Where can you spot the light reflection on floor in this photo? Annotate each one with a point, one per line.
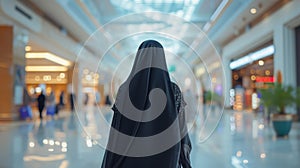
(240, 140)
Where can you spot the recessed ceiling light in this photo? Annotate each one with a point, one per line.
(37, 78)
(253, 11)
(62, 75)
(28, 48)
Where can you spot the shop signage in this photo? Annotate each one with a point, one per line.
(265, 79)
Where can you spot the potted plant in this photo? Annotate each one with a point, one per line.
(212, 97)
(276, 98)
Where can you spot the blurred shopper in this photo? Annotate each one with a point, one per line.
(41, 103)
(62, 99)
(51, 99)
(86, 99)
(25, 110)
(204, 97)
(107, 100)
(51, 105)
(72, 98)
(97, 98)
(26, 98)
(148, 73)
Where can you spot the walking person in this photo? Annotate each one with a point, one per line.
(62, 99)
(72, 98)
(51, 104)
(97, 98)
(51, 99)
(107, 100)
(136, 116)
(41, 103)
(86, 99)
(25, 111)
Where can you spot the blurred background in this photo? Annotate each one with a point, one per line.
(62, 62)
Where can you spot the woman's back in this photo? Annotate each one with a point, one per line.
(146, 130)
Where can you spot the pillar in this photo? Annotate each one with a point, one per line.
(77, 84)
(6, 62)
(12, 71)
(227, 85)
(285, 57)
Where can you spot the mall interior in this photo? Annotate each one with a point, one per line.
(223, 54)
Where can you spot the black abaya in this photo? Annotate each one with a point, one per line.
(149, 72)
(41, 103)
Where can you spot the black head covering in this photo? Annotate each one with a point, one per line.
(145, 107)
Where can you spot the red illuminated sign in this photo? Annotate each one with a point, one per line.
(265, 79)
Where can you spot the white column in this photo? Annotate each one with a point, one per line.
(79, 89)
(227, 84)
(285, 57)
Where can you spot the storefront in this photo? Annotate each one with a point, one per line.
(48, 73)
(93, 91)
(250, 73)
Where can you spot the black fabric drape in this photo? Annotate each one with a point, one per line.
(138, 85)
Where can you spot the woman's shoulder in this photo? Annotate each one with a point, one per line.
(175, 87)
(176, 92)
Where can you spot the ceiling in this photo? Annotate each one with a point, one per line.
(121, 26)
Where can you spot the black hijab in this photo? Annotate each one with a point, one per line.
(145, 130)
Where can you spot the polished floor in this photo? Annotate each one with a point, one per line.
(241, 139)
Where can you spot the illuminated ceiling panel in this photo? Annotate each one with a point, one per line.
(181, 8)
(48, 56)
(92, 14)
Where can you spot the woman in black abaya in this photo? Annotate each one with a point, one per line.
(148, 105)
